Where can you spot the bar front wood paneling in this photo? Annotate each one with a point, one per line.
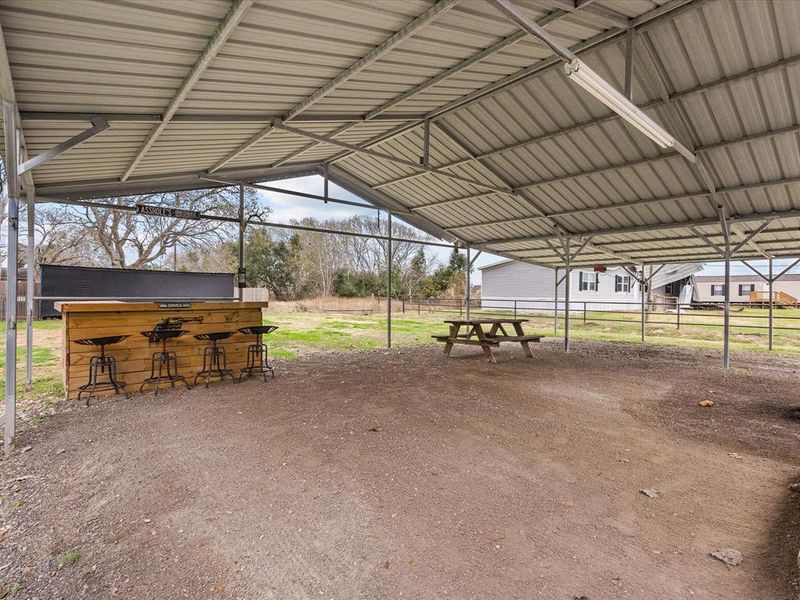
(98, 319)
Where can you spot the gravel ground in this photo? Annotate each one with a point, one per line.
(405, 474)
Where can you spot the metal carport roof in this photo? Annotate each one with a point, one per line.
(519, 156)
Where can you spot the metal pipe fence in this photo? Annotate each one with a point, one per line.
(584, 312)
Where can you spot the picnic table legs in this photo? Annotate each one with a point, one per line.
(487, 349)
(453, 335)
(523, 343)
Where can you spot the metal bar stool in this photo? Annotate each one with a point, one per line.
(215, 364)
(102, 365)
(165, 361)
(257, 354)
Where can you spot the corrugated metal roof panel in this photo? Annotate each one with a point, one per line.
(732, 71)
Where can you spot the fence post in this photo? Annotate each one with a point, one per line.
(419, 307)
(515, 309)
(584, 312)
(404, 305)
(643, 283)
(679, 316)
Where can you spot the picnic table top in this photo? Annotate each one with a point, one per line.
(484, 321)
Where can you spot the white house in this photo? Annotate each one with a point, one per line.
(711, 287)
(533, 287)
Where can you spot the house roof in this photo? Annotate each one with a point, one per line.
(752, 278)
(251, 90)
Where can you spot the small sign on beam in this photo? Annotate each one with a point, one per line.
(600, 269)
(165, 211)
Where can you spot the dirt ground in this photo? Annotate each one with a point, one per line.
(404, 474)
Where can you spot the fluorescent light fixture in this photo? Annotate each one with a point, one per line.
(598, 87)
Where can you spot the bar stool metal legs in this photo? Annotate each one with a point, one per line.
(257, 361)
(166, 363)
(215, 363)
(257, 354)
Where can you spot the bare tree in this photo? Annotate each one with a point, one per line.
(126, 239)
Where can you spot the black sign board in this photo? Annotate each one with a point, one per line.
(165, 211)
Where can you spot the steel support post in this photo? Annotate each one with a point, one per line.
(567, 277)
(241, 273)
(771, 301)
(469, 283)
(643, 284)
(12, 162)
(30, 288)
(555, 302)
(726, 317)
(389, 281)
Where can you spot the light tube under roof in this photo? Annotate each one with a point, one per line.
(598, 87)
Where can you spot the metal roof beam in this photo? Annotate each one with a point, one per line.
(8, 94)
(375, 54)
(252, 141)
(655, 227)
(387, 157)
(98, 125)
(598, 13)
(155, 118)
(665, 12)
(686, 238)
(354, 69)
(668, 11)
(621, 205)
(213, 46)
(781, 64)
(377, 113)
(613, 254)
(297, 153)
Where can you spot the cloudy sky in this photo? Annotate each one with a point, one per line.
(285, 208)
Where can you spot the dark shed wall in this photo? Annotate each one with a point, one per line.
(81, 282)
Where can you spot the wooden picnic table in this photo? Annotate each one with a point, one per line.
(476, 334)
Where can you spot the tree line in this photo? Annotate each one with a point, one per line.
(292, 264)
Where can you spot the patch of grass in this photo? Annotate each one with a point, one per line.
(43, 324)
(70, 557)
(48, 386)
(41, 356)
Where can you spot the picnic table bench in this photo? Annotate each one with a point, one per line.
(476, 335)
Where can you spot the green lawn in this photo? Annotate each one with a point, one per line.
(47, 379)
(304, 331)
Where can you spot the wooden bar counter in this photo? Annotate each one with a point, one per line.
(98, 319)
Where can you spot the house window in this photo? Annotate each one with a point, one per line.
(717, 289)
(746, 288)
(622, 283)
(588, 282)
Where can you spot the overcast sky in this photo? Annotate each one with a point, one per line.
(285, 208)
